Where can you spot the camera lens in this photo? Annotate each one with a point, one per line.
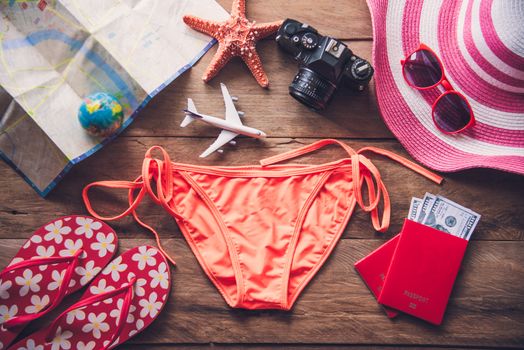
(311, 89)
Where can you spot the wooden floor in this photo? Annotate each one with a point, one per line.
(486, 309)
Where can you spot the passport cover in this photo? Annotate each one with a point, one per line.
(374, 267)
(422, 272)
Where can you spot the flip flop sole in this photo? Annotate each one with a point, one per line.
(91, 327)
(30, 289)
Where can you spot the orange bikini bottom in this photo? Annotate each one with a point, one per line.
(262, 232)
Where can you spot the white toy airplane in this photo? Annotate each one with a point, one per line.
(231, 126)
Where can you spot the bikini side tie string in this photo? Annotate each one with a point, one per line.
(152, 170)
(363, 170)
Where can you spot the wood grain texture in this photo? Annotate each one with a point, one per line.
(336, 310)
(486, 306)
(215, 346)
(350, 21)
(497, 196)
(349, 115)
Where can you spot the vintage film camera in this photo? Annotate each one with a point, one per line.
(324, 63)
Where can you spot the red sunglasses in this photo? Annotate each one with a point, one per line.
(423, 70)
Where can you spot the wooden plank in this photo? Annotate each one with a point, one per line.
(485, 309)
(282, 346)
(348, 21)
(497, 196)
(349, 115)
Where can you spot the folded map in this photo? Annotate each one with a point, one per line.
(54, 53)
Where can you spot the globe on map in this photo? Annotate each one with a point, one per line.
(101, 114)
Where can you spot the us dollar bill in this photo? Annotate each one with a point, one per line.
(423, 208)
(448, 216)
(413, 208)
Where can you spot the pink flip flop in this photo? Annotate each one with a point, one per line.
(123, 300)
(60, 258)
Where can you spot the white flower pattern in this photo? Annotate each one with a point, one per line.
(96, 324)
(160, 277)
(44, 252)
(85, 346)
(76, 314)
(57, 280)
(102, 287)
(116, 312)
(139, 287)
(4, 289)
(144, 256)
(104, 244)
(61, 340)
(37, 304)
(150, 306)
(86, 226)
(87, 272)
(30, 345)
(71, 247)
(139, 326)
(55, 230)
(114, 268)
(28, 282)
(7, 313)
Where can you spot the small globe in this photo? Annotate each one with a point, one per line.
(101, 114)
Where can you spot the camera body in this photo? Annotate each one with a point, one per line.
(324, 63)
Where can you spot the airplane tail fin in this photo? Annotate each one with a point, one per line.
(192, 109)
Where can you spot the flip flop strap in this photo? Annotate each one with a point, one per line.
(48, 260)
(124, 312)
(62, 289)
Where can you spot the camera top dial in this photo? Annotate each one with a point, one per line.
(309, 41)
(360, 69)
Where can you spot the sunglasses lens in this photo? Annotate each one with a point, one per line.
(451, 112)
(422, 69)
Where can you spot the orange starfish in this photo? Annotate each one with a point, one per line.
(237, 36)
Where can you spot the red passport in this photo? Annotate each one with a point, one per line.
(422, 272)
(374, 267)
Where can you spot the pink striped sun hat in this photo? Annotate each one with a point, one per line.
(481, 46)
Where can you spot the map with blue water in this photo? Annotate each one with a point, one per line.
(55, 53)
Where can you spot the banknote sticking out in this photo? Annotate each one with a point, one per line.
(444, 215)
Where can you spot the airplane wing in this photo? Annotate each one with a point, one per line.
(231, 110)
(224, 137)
